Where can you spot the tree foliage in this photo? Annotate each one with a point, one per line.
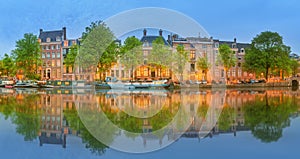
(267, 53)
(131, 53)
(7, 65)
(160, 54)
(226, 57)
(180, 58)
(27, 55)
(71, 56)
(98, 48)
(203, 64)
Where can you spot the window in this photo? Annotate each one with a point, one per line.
(239, 58)
(122, 73)
(239, 64)
(48, 63)
(145, 53)
(53, 54)
(216, 45)
(239, 72)
(48, 54)
(48, 39)
(57, 38)
(58, 46)
(146, 71)
(117, 73)
(192, 67)
(47, 47)
(112, 73)
(53, 63)
(204, 46)
(53, 47)
(43, 55)
(233, 73)
(58, 55)
(192, 55)
(216, 51)
(58, 63)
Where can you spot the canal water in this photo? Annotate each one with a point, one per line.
(187, 123)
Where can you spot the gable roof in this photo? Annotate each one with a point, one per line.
(52, 35)
(150, 40)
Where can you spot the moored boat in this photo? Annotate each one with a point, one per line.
(9, 86)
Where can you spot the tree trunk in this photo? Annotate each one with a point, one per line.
(267, 74)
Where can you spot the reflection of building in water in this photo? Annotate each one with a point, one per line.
(53, 128)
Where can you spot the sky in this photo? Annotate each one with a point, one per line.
(224, 20)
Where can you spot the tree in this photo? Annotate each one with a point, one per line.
(180, 59)
(27, 55)
(204, 65)
(160, 55)
(8, 65)
(226, 57)
(98, 48)
(71, 56)
(131, 54)
(267, 52)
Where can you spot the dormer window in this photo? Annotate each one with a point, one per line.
(233, 46)
(58, 38)
(216, 45)
(146, 43)
(48, 39)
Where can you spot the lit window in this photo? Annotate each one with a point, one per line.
(192, 55)
(146, 71)
(58, 63)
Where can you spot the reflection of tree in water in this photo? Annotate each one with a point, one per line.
(24, 112)
(202, 110)
(94, 145)
(268, 116)
(7, 106)
(226, 118)
(134, 124)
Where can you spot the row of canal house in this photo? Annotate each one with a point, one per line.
(55, 46)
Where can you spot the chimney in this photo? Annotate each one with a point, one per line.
(145, 32)
(65, 33)
(160, 32)
(41, 30)
(234, 40)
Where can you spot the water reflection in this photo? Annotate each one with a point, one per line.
(146, 119)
